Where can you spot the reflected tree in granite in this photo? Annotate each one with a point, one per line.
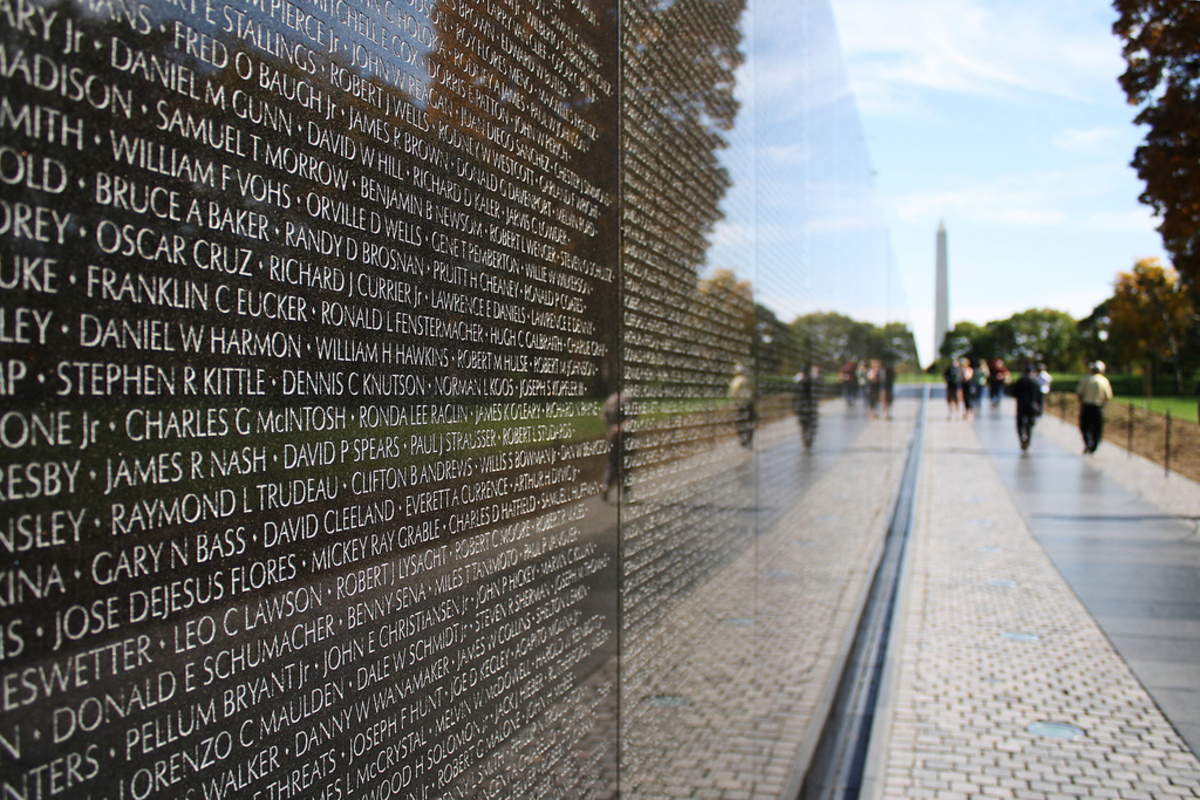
(679, 61)
(590, 138)
(564, 108)
(527, 97)
(692, 484)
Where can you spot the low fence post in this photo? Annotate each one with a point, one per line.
(1129, 447)
(1167, 459)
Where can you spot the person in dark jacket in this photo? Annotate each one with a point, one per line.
(741, 390)
(617, 418)
(1028, 395)
(953, 378)
(805, 396)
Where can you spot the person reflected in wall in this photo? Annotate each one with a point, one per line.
(848, 380)
(860, 378)
(805, 399)
(616, 417)
(1029, 404)
(953, 378)
(741, 391)
(979, 382)
(1094, 391)
(889, 388)
(998, 377)
(874, 380)
(968, 388)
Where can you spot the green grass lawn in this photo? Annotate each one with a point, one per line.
(1181, 407)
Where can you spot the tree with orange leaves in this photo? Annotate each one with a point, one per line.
(1151, 313)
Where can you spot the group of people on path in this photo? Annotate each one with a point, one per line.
(873, 379)
(965, 380)
(965, 384)
(616, 414)
(968, 379)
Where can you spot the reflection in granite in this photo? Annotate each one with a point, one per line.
(310, 313)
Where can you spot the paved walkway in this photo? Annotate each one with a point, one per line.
(1002, 683)
(1124, 536)
(719, 692)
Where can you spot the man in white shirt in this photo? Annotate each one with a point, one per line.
(1094, 391)
(1044, 380)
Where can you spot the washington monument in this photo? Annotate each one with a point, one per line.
(941, 313)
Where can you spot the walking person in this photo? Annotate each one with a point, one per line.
(616, 417)
(997, 379)
(741, 391)
(874, 387)
(1094, 391)
(953, 378)
(889, 389)
(968, 389)
(860, 378)
(804, 403)
(1044, 379)
(979, 382)
(1029, 404)
(848, 380)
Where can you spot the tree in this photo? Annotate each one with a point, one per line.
(1162, 55)
(898, 345)
(775, 351)
(1151, 313)
(678, 62)
(1038, 334)
(961, 341)
(830, 338)
(722, 321)
(1095, 334)
(579, 123)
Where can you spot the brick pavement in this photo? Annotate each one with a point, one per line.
(990, 641)
(721, 698)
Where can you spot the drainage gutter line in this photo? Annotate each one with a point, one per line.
(838, 769)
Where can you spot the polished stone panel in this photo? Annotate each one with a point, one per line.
(386, 413)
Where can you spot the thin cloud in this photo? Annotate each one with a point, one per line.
(898, 49)
(1079, 301)
(1085, 141)
(1009, 202)
(792, 83)
(728, 234)
(1139, 220)
(797, 63)
(1035, 199)
(791, 154)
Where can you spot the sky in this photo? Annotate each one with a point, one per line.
(1004, 119)
(802, 219)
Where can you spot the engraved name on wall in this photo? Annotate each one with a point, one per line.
(306, 313)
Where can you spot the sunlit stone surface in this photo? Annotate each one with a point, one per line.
(399, 397)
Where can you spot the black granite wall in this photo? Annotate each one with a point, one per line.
(374, 407)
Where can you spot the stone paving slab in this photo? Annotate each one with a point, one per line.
(726, 699)
(991, 640)
(1171, 492)
(1135, 562)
